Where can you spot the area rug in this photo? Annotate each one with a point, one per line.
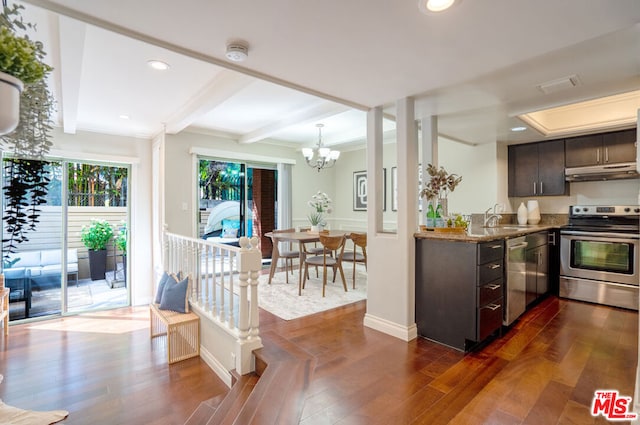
(282, 299)
(10, 415)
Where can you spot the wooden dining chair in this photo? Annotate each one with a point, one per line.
(330, 244)
(359, 241)
(312, 248)
(287, 254)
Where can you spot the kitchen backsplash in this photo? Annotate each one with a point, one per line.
(548, 219)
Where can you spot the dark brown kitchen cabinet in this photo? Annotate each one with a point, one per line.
(537, 266)
(601, 149)
(537, 169)
(459, 291)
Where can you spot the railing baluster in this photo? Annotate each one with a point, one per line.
(192, 256)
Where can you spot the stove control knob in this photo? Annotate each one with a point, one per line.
(585, 209)
(576, 210)
(636, 210)
(627, 209)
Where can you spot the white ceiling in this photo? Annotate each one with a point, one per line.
(476, 66)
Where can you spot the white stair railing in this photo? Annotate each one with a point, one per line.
(224, 287)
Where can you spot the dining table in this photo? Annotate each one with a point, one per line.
(301, 238)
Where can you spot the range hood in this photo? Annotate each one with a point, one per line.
(625, 170)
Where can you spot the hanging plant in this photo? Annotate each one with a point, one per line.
(25, 190)
(23, 58)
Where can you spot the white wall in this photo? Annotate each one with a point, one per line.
(124, 150)
(180, 175)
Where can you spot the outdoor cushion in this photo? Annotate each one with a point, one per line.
(26, 259)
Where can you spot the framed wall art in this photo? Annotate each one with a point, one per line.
(359, 190)
(360, 197)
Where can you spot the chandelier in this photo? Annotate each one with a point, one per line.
(324, 157)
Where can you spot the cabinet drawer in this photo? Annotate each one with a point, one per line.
(489, 272)
(489, 292)
(490, 251)
(489, 318)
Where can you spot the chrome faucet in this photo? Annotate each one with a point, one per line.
(493, 219)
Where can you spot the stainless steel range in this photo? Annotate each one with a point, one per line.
(599, 250)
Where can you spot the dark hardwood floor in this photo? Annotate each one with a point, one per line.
(542, 371)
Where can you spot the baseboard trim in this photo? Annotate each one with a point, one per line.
(405, 333)
(217, 367)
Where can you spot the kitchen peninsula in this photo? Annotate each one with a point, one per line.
(462, 284)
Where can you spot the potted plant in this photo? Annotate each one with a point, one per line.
(437, 188)
(95, 237)
(321, 204)
(21, 65)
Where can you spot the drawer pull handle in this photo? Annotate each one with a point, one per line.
(494, 266)
(495, 246)
(493, 286)
(492, 307)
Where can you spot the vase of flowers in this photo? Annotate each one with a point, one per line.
(436, 190)
(321, 204)
(95, 237)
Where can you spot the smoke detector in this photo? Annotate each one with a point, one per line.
(237, 51)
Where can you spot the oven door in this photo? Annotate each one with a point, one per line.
(609, 257)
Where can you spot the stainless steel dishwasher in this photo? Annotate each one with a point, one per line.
(516, 284)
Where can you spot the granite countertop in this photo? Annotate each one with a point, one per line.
(477, 233)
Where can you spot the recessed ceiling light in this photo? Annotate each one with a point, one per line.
(124, 117)
(435, 6)
(521, 128)
(158, 65)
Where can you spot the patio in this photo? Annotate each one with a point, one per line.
(86, 295)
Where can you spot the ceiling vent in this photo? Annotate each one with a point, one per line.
(559, 84)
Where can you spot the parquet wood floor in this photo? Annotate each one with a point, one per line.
(542, 371)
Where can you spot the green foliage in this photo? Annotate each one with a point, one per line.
(96, 235)
(316, 218)
(25, 189)
(121, 238)
(20, 56)
(24, 59)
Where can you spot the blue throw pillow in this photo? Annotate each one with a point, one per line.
(161, 284)
(174, 296)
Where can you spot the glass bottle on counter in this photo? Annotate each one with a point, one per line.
(439, 217)
(431, 216)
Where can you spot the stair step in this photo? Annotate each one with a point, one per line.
(235, 400)
(274, 394)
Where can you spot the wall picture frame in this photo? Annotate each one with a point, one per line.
(394, 188)
(359, 190)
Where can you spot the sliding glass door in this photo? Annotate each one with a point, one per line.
(235, 199)
(47, 207)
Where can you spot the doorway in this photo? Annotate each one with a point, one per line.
(48, 206)
(236, 199)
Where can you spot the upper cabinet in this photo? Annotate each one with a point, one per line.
(537, 169)
(601, 149)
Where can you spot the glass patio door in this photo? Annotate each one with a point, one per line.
(45, 261)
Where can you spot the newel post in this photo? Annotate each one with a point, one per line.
(249, 264)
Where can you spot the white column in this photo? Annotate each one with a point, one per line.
(391, 274)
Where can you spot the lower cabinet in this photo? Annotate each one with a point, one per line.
(537, 266)
(459, 291)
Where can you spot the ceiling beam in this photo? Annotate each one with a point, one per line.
(223, 86)
(312, 114)
(71, 39)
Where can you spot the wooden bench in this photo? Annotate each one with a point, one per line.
(182, 330)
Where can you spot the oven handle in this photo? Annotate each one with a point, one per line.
(628, 236)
